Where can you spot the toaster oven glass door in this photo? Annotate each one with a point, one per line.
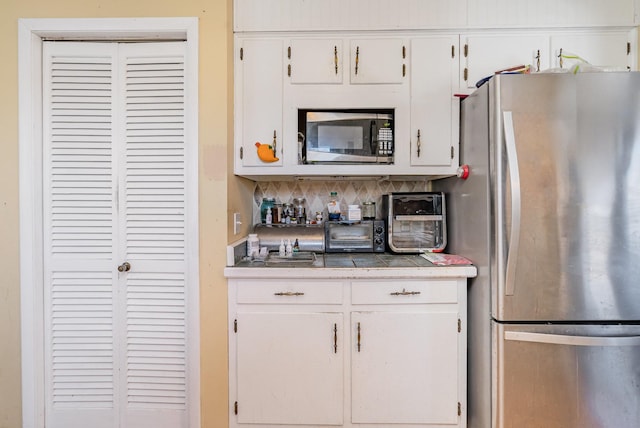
(349, 237)
(418, 232)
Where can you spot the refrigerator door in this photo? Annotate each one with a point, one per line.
(566, 196)
(565, 376)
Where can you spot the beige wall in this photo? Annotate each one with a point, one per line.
(215, 118)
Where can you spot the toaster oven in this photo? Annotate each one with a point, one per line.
(416, 221)
(365, 236)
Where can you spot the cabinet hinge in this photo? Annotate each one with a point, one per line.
(241, 152)
(241, 54)
(466, 74)
(459, 325)
(235, 408)
(466, 50)
(628, 48)
(453, 152)
(453, 51)
(459, 409)
(235, 325)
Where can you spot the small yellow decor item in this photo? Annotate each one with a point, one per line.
(265, 153)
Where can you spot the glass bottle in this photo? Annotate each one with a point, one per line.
(264, 207)
(333, 207)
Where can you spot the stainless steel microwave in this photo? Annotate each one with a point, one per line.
(346, 136)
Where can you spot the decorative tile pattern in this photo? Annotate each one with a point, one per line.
(317, 193)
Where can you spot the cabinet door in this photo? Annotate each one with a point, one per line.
(259, 80)
(404, 368)
(290, 368)
(486, 54)
(315, 61)
(378, 61)
(603, 49)
(434, 73)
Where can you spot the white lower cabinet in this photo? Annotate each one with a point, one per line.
(289, 368)
(349, 353)
(403, 368)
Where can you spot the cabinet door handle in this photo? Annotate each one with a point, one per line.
(335, 57)
(418, 144)
(404, 293)
(538, 60)
(560, 56)
(357, 58)
(358, 337)
(124, 267)
(335, 338)
(273, 145)
(289, 293)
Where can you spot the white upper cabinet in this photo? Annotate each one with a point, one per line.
(549, 13)
(364, 15)
(484, 54)
(315, 61)
(434, 109)
(347, 15)
(378, 61)
(611, 50)
(258, 102)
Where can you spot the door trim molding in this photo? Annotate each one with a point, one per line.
(31, 34)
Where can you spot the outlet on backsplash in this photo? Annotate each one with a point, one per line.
(317, 193)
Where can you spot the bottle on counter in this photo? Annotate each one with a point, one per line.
(368, 210)
(282, 251)
(300, 210)
(333, 207)
(354, 213)
(288, 249)
(269, 217)
(266, 204)
(253, 245)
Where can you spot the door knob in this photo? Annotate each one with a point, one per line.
(124, 267)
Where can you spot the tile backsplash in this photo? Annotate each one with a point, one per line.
(317, 193)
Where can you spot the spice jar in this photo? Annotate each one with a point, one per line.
(300, 210)
(368, 210)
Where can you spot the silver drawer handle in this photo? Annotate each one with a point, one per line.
(289, 293)
(404, 293)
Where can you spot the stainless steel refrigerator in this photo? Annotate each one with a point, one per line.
(550, 215)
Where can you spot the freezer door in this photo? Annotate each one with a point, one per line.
(567, 376)
(566, 196)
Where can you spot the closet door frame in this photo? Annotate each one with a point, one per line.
(31, 34)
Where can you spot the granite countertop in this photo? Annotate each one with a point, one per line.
(351, 265)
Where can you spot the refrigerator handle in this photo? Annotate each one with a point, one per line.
(514, 177)
(561, 339)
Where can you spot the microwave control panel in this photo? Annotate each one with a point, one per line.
(385, 142)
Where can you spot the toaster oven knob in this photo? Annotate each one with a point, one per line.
(378, 241)
(379, 230)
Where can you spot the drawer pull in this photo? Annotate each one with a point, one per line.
(358, 337)
(335, 338)
(404, 293)
(289, 293)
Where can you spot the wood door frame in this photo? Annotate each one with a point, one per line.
(31, 35)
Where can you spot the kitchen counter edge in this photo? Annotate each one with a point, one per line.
(463, 271)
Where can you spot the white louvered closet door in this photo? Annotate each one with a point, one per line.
(115, 196)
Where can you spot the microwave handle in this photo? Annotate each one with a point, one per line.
(372, 140)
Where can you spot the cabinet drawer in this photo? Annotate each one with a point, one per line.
(290, 292)
(403, 292)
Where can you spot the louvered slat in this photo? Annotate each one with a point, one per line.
(80, 161)
(154, 209)
(82, 340)
(79, 232)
